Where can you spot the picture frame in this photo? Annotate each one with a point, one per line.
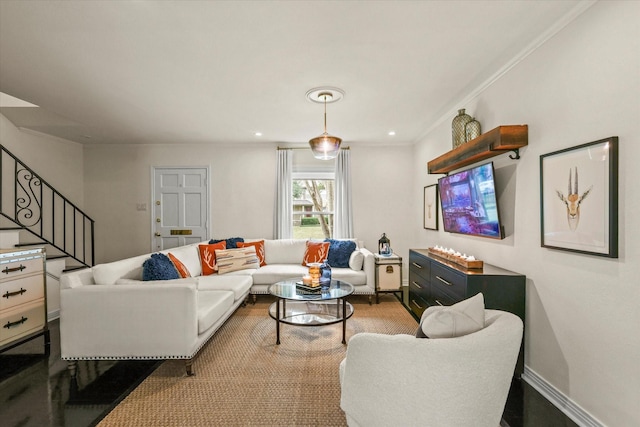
(579, 198)
(430, 207)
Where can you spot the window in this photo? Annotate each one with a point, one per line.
(313, 205)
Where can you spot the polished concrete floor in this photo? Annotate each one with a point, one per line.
(36, 390)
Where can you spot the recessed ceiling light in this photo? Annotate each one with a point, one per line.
(258, 134)
(392, 132)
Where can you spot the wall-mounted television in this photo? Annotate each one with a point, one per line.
(469, 202)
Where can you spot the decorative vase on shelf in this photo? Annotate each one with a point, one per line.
(325, 275)
(458, 131)
(472, 129)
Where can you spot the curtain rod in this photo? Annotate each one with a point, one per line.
(304, 148)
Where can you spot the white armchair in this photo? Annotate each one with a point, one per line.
(403, 380)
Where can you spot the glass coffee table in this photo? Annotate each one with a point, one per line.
(298, 306)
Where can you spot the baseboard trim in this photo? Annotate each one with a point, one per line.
(559, 400)
(53, 315)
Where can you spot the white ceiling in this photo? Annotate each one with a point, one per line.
(137, 72)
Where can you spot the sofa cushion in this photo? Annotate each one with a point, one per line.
(284, 251)
(181, 282)
(259, 245)
(460, 319)
(237, 284)
(356, 278)
(182, 270)
(108, 273)
(208, 257)
(339, 252)
(272, 273)
(356, 260)
(159, 267)
(212, 305)
(315, 252)
(228, 260)
(189, 256)
(231, 242)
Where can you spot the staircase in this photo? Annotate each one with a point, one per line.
(34, 214)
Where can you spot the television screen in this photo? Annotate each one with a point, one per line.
(469, 202)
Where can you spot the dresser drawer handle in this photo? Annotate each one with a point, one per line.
(417, 265)
(13, 294)
(444, 281)
(416, 304)
(8, 270)
(416, 285)
(16, 323)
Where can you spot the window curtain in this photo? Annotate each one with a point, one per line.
(343, 217)
(283, 226)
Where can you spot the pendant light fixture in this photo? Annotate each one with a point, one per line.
(325, 146)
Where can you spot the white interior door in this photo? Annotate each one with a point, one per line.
(181, 207)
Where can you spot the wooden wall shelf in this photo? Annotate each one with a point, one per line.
(490, 144)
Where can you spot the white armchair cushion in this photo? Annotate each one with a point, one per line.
(457, 320)
(461, 381)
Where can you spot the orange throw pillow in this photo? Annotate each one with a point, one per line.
(182, 270)
(259, 245)
(208, 257)
(315, 252)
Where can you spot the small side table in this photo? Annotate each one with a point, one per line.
(388, 274)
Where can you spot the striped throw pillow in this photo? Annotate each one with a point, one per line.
(229, 260)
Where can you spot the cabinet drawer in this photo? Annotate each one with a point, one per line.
(453, 283)
(21, 321)
(417, 304)
(18, 268)
(419, 285)
(21, 291)
(439, 296)
(419, 264)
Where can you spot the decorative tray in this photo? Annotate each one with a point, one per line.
(307, 288)
(457, 259)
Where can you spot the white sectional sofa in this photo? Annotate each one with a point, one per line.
(109, 312)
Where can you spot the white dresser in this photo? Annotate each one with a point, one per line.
(23, 297)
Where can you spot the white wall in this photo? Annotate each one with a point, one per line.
(58, 161)
(382, 203)
(117, 178)
(582, 85)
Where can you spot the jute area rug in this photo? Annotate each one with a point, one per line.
(242, 378)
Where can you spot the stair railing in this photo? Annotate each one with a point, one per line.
(30, 202)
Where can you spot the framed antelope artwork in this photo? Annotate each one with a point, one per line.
(579, 198)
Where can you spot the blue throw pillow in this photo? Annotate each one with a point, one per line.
(231, 242)
(339, 252)
(159, 267)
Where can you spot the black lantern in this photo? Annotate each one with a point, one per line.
(384, 245)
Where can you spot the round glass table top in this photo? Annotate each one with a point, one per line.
(293, 289)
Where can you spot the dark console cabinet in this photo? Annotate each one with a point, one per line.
(436, 281)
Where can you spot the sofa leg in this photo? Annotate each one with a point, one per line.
(188, 364)
(72, 365)
(254, 299)
(370, 303)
